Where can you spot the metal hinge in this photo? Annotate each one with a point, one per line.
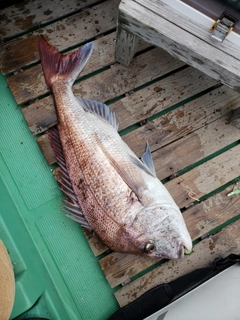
(222, 27)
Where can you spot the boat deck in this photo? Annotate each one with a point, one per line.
(183, 115)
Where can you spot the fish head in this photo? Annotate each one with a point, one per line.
(163, 232)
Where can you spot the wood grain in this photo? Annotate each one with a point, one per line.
(117, 80)
(180, 122)
(190, 24)
(63, 34)
(136, 106)
(44, 144)
(234, 118)
(205, 178)
(199, 144)
(26, 15)
(40, 116)
(154, 98)
(97, 246)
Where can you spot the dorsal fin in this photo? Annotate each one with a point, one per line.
(99, 109)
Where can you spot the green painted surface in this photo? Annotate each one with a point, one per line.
(56, 274)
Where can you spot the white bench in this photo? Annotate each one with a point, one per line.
(162, 26)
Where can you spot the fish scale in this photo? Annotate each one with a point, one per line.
(117, 194)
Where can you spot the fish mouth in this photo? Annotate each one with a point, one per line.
(184, 249)
(180, 250)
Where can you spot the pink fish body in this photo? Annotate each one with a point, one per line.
(120, 197)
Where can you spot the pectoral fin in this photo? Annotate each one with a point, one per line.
(128, 169)
(148, 160)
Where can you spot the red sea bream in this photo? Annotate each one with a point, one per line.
(109, 189)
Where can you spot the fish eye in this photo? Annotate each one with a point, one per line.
(149, 247)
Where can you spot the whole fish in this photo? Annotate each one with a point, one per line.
(110, 190)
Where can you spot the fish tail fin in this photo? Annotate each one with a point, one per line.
(59, 67)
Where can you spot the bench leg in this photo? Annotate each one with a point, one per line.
(235, 118)
(125, 46)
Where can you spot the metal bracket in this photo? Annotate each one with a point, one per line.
(222, 27)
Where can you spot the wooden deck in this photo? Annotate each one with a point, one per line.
(182, 113)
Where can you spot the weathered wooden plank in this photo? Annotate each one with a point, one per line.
(202, 180)
(30, 83)
(44, 144)
(97, 246)
(189, 25)
(180, 43)
(63, 34)
(199, 144)
(104, 86)
(26, 15)
(211, 213)
(189, 117)
(137, 106)
(140, 105)
(119, 80)
(40, 116)
(219, 245)
(118, 268)
(17, 53)
(206, 178)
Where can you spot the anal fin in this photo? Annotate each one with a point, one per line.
(70, 206)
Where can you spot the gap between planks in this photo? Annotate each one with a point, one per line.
(136, 106)
(110, 84)
(26, 15)
(187, 118)
(64, 34)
